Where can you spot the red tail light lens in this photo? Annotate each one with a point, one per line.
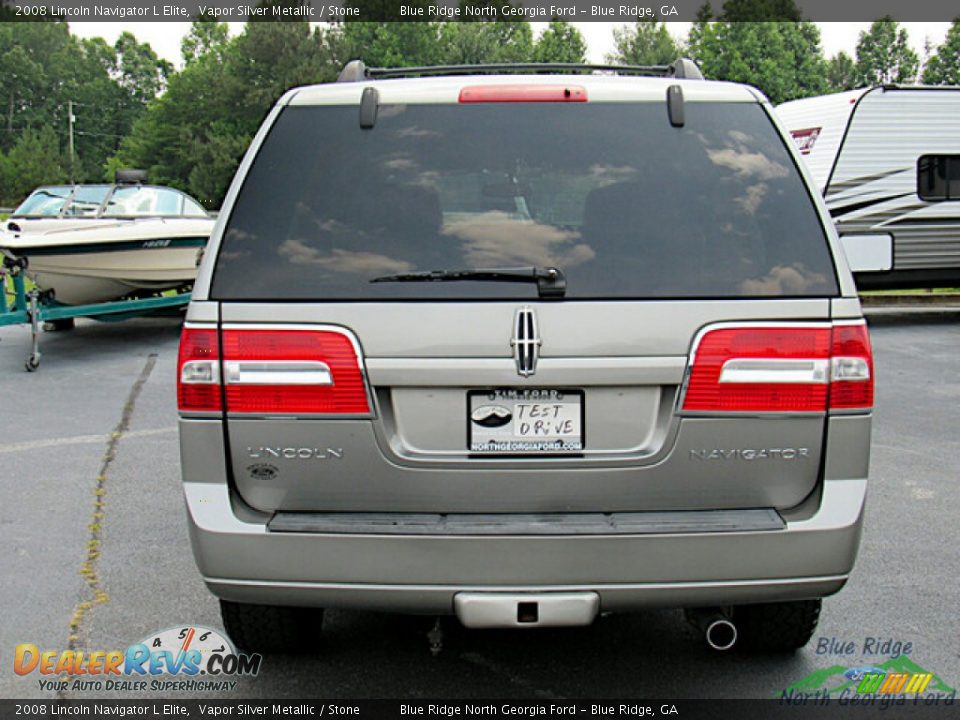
(852, 367)
(781, 369)
(198, 371)
(523, 93)
(292, 371)
(762, 369)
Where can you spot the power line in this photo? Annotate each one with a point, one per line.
(97, 134)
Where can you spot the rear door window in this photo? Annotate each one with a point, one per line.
(626, 205)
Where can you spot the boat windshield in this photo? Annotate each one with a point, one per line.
(147, 201)
(45, 202)
(108, 201)
(86, 200)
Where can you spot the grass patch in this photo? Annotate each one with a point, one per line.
(917, 291)
(3, 216)
(8, 287)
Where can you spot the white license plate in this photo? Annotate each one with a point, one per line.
(511, 421)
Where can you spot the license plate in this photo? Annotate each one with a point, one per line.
(525, 420)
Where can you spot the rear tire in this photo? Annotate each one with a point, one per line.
(777, 627)
(271, 628)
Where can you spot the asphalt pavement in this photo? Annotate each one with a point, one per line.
(96, 554)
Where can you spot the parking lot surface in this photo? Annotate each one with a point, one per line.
(96, 553)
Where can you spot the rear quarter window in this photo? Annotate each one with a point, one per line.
(626, 205)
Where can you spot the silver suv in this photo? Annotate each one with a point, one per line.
(524, 347)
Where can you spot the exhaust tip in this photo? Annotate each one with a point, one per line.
(721, 634)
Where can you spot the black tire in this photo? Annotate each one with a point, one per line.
(271, 628)
(60, 325)
(776, 627)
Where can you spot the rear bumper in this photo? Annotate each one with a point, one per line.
(242, 560)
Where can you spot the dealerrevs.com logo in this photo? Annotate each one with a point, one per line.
(188, 659)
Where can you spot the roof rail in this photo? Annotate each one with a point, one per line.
(356, 70)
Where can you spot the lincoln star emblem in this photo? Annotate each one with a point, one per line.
(526, 341)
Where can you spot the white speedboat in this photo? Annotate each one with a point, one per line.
(96, 243)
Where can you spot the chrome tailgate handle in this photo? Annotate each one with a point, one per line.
(277, 372)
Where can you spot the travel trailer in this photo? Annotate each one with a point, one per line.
(887, 160)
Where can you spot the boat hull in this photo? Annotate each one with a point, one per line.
(109, 262)
(85, 278)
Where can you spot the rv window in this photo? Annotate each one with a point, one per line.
(938, 177)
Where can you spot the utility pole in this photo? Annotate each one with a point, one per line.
(70, 120)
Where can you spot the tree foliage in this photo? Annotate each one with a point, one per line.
(841, 73)
(646, 42)
(486, 42)
(884, 54)
(943, 68)
(206, 37)
(43, 69)
(560, 42)
(783, 59)
(391, 44)
(194, 135)
(33, 160)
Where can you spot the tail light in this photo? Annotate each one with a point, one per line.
(198, 370)
(800, 368)
(283, 371)
(851, 368)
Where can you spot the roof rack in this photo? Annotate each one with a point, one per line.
(682, 68)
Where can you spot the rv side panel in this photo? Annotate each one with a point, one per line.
(818, 125)
(873, 189)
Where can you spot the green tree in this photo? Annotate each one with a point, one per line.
(20, 78)
(193, 136)
(884, 54)
(841, 72)
(207, 36)
(391, 44)
(646, 42)
(700, 25)
(33, 160)
(268, 59)
(139, 71)
(561, 42)
(45, 70)
(943, 68)
(486, 42)
(217, 157)
(783, 59)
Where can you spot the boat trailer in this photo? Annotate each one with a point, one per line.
(35, 307)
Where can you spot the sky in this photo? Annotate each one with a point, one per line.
(165, 37)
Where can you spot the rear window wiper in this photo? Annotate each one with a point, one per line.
(550, 281)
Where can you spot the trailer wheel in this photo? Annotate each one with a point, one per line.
(32, 363)
(59, 325)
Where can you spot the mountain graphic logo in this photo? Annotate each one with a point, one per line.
(899, 675)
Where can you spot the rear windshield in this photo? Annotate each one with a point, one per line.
(624, 204)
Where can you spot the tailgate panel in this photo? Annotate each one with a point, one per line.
(421, 359)
(693, 470)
